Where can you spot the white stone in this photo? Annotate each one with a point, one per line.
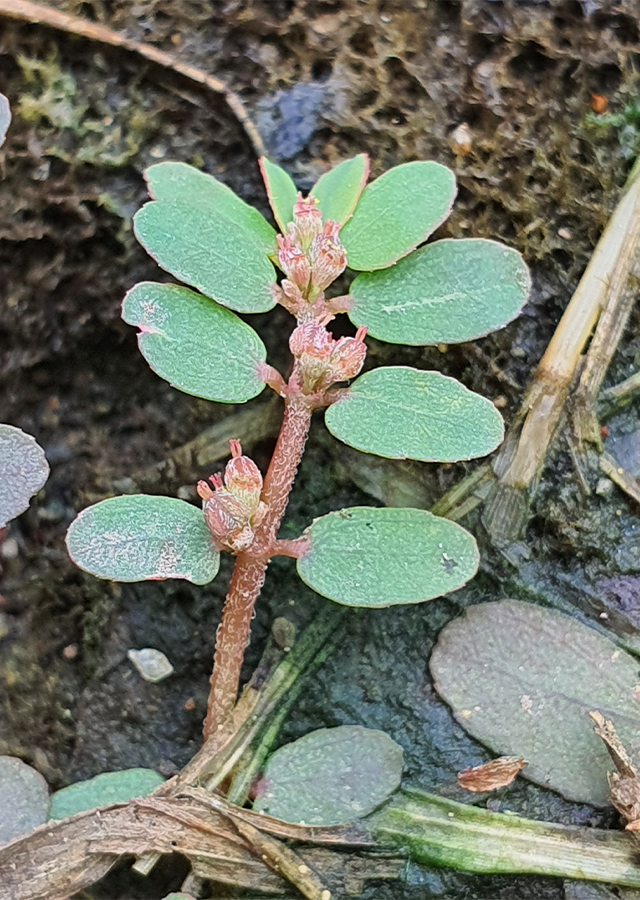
(151, 664)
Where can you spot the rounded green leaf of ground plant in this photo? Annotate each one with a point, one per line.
(447, 292)
(281, 192)
(522, 679)
(209, 252)
(396, 212)
(139, 537)
(382, 557)
(5, 117)
(182, 183)
(23, 471)
(199, 347)
(24, 798)
(339, 189)
(103, 790)
(405, 413)
(330, 776)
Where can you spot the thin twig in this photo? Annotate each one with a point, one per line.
(620, 476)
(524, 451)
(36, 14)
(187, 462)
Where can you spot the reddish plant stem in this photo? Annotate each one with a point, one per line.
(250, 567)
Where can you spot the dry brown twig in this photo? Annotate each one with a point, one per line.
(37, 14)
(624, 784)
(600, 295)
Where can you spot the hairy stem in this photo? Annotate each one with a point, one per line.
(250, 567)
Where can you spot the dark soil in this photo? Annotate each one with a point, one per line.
(324, 79)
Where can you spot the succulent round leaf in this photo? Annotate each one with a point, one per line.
(396, 213)
(103, 790)
(522, 679)
(5, 117)
(139, 537)
(208, 251)
(404, 413)
(199, 347)
(281, 192)
(331, 776)
(24, 798)
(447, 292)
(339, 189)
(179, 182)
(383, 557)
(23, 471)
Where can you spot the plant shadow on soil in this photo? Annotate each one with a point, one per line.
(325, 80)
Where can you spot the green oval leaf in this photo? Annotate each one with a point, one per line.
(405, 413)
(182, 183)
(103, 790)
(209, 252)
(383, 557)
(23, 471)
(331, 776)
(339, 189)
(24, 799)
(199, 347)
(143, 538)
(397, 212)
(281, 191)
(522, 679)
(5, 117)
(447, 292)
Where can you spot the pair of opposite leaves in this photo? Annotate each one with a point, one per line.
(201, 232)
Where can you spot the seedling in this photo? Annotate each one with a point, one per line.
(448, 291)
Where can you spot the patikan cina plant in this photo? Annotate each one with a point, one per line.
(447, 291)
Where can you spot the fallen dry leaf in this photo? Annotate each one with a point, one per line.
(624, 784)
(490, 776)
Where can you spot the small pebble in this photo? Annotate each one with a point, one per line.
(599, 103)
(190, 705)
(10, 549)
(70, 651)
(460, 140)
(151, 664)
(565, 234)
(604, 487)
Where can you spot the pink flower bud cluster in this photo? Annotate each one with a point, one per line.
(233, 509)
(310, 255)
(323, 361)
(307, 221)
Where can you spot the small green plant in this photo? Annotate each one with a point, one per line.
(448, 291)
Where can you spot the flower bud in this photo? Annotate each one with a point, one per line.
(231, 510)
(322, 360)
(307, 221)
(327, 256)
(311, 338)
(242, 478)
(293, 261)
(347, 358)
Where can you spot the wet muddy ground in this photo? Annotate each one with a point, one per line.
(323, 81)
